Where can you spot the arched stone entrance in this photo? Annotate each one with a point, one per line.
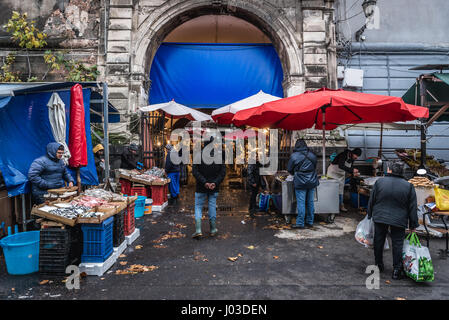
(300, 30)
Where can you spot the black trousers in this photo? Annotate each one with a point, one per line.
(252, 199)
(397, 239)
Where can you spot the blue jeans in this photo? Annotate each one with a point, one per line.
(304, 200)
(174, 183)
(200, 198)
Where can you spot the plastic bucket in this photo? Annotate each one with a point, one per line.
(148, 206)
(140, 207)
(21, 252)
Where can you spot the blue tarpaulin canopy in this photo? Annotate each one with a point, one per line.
(25, 131)
(214, 75)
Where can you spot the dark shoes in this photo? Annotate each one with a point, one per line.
(381, 267)
(309, 226)
(397, 274)
(297, 227)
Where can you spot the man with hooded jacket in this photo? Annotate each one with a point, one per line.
(302, 165)
(208, 179)
(48, 172)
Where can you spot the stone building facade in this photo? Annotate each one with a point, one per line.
(122, 37)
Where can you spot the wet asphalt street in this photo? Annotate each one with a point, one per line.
(267, 266)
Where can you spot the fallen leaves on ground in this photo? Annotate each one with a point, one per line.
(180, 226)
(251, 247)
(139, 247)
(153, 222)
(136, 268)
(233, 259)
(83, 274)
(123, 263)
(205, 260)
(159, 246)
(198, 256)
(275, 257)
(102, 278)
(169, 235)
(388, 282)
(399, 298)
(122, 256)
(224, 236)
(320, 247)
(240, 255)
(276, 227)
(43, 282)
(323, 223)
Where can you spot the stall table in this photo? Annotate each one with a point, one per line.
(326, 199)
(445, 231)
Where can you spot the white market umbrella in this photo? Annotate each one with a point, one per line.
(56, 115)
(224, 114)
(177, 110)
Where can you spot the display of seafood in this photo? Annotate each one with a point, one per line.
(421, 182)
(74, 211)
(89, 201)
(105, 195)
(156, 172)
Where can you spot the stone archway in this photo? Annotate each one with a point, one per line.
(151, 34)
(300, 30)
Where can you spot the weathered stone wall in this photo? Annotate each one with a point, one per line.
(73, 26)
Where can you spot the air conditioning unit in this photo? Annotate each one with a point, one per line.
(353, 78)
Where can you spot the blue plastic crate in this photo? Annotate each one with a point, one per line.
(97, 241)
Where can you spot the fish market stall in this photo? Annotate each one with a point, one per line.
(151, 183)
(90, 230)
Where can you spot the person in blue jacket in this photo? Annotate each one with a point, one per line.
(302, 165)
(48, 172)
(173, 171)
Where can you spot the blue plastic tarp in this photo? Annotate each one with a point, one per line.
(213, 75)
(25, 131)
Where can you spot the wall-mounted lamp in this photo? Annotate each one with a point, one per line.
(369, 7)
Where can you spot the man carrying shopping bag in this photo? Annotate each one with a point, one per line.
(392, 205)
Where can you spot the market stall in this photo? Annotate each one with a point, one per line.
(327, 109)
(151, 183)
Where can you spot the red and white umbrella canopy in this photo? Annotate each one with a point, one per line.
(177, 111)
(224, 114)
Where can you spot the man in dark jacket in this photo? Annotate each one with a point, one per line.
(392, 204)
(302, 165)
(343, 163)
(129, 157)
(48, 172)
(255, 182)
(172, 171)
(208, 179)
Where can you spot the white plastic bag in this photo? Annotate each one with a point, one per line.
(364, 234)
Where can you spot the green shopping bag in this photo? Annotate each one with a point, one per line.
(416, 259)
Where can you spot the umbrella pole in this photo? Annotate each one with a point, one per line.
(379, 155)
(78, 180)
(323, 111)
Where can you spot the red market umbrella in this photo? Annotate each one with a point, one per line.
(77, 132)
(326, 109)
(239, 134)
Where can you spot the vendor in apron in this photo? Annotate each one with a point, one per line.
(342, 164)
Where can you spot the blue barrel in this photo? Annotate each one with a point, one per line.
(21, 252)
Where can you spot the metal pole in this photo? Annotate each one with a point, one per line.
(379, 154)
(323, 111)
(24, 216)
(106, 132)
(422, 87)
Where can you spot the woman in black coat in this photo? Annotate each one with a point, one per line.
(392, 205)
